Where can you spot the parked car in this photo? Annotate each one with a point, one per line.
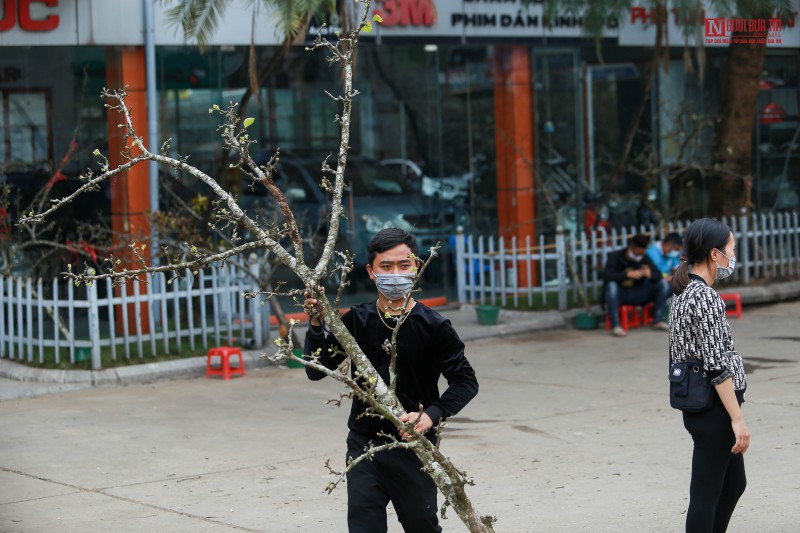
(447, 188)
(376, 197)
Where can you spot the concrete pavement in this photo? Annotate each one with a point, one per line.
(571, 431)
(20, 381)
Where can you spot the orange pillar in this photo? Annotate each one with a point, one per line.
(130, 192)
(514, 146)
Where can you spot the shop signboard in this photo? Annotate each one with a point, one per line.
(22, 14)
(121, 23)
(711, 27)
(497, 19)
(115, 22)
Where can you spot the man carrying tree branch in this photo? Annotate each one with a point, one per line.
(427, 347)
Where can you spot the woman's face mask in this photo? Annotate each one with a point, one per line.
(675, 254)
(724, 272)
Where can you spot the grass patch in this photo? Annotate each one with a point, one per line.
(550, 303)
(176, 350)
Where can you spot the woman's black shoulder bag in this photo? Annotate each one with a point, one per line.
(690, 390)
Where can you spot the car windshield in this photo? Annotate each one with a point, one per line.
(369, 178)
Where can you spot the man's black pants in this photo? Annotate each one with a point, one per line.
(718, 477)
(394, 476)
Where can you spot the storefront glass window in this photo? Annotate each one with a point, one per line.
(28, 137)
(53, 117)
(614, 92)
(775, 152)
(426, 111)
(559, 160)
(686, 117)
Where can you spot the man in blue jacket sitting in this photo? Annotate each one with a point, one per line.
(666, 254)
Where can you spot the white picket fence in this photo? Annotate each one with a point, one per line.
(159, 317)
(499, 271)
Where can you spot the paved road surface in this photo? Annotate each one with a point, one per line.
(571, 432)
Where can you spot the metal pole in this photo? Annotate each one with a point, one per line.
(590, 128)
(94, 325)
(152, 102)
(439, 131)
(561, 268)
(254, 267)
(470, 154)
(403, 147)
(152, 132)
(461, 266)
(580, 177)
(744, 243)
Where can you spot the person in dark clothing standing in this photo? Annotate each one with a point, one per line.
(699, 330)
(631, 278)
(427, 347)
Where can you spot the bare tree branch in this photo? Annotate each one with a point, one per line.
(360, 377)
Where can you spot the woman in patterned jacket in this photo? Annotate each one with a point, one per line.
(699, 330)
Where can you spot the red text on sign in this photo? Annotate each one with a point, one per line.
(406, 13)
(19, 12)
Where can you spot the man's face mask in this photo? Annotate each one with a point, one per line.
(635, 257)
(724, 272)
(394, 286)
(674, 254)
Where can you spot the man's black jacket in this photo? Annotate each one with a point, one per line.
(618, 264)
(427, 348)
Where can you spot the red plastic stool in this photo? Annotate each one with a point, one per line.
(737, 303)
(647, 314)
(628, 317)
(224, 370)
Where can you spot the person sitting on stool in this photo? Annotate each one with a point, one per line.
(666, 254)
(631, 278)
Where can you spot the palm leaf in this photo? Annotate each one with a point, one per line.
(291, 16)
(198, 19)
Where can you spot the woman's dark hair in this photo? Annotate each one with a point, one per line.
(388, 238)
(701, 237)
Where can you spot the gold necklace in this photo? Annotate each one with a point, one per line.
(399, 321)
